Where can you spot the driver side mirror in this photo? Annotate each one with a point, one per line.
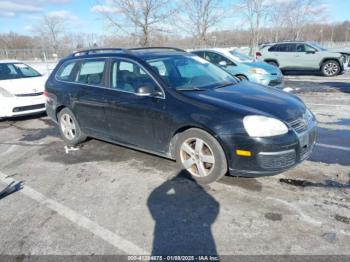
(223, 63)
(310, 52)
(148, 91)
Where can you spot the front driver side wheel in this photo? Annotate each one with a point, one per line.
(330, 68)
(201, 155)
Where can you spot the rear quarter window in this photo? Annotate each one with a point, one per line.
(65, 73)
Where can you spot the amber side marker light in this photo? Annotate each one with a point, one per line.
(240, 152)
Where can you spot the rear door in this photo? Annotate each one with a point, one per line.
(89, 100)
(131, 118)
(284, 54)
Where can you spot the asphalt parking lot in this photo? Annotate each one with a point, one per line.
(106, 199)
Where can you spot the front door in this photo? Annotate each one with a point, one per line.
(131, 117)
(307, 56)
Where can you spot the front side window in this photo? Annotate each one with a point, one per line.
(26, 71)
(216, 58)
(91, 72)
(309, 48)
(192, 72)
(128, 77)
(241, 57)
(16, 70)
(301, 48)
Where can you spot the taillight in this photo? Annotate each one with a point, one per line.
(46, 95)
(257, 54)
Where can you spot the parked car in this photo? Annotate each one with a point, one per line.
(21, 89)
(177, 105)
(302, 56)
(243, 66)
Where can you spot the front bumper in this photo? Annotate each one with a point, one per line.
(18, 106)
(270, 156)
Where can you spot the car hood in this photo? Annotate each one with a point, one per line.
(331, 53)
(261, 64)
(247, 98)
(24, 85)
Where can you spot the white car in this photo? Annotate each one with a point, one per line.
(21, 89)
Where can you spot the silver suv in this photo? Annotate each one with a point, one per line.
(302, 56)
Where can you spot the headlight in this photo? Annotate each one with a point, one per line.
(5, 93)
(262, 126)
(309, 115)
(258, 71)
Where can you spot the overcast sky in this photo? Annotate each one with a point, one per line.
(21, 16)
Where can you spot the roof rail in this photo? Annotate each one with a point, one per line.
(157, 47)
(98, 50)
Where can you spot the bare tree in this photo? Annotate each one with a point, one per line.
(255, 12)
(138, 18)
(199, 17)
(298, 13)
(52, 29)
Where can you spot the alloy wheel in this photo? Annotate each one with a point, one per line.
(197, 157)
(68, 126)
(330, 69)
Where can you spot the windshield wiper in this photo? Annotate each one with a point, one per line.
(191, 88)
(225, 84)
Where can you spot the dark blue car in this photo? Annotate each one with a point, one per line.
(175, 104)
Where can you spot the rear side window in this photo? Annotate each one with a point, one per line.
(283, 48)
(273, 48)
(66, 72)
(91, 73)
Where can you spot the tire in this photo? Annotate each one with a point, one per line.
(273, 63)
(206, 164)
(242, 77)
(69, 128)
(330, 68)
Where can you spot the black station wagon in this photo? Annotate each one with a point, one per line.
(177, 105)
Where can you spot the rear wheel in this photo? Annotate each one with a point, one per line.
(69, 128)
(201, 155)
(330, 68)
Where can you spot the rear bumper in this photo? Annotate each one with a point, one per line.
(19, 106)
(270, 156)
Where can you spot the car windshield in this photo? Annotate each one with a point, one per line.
(240, 57)
(16, 70)
(318, 46)
(190, 73)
